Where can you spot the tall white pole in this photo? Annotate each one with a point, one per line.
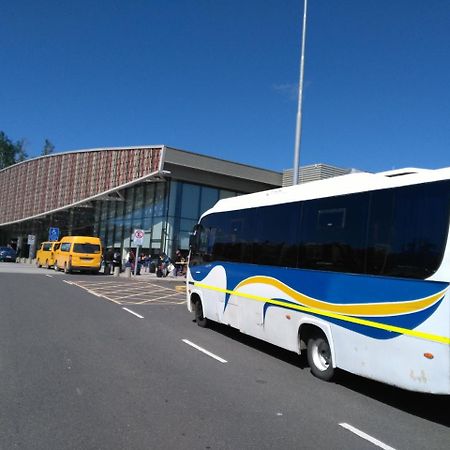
(298, 128)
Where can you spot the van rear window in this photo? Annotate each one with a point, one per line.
(86, 248)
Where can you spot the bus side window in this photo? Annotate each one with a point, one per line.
(379, 232)
(333, 233)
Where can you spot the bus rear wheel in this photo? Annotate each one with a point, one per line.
(319, 357)
(201, 320)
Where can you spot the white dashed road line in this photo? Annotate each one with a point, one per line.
(134, 314)
(206, 352)
(367, 437)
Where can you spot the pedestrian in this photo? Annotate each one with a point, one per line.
(146, 262)
(109, 257)
(160, 267)
(131, 259)
(116, 260)
(178, 263)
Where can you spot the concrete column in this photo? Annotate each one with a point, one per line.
(116, 271)
(127, 272)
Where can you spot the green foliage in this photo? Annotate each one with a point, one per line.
(11, 152)
(48, 148)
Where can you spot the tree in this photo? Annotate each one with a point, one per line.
(48, 148)
(11, 152)
(21, 155)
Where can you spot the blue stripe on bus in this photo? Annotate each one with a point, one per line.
(340, 288)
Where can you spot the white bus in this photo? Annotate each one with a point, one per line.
(354, 270)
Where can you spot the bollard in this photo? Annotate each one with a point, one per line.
(116, 271)
(29, 261)
(128, 272)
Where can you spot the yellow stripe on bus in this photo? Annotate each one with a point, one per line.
(368, 323)
(354, 309)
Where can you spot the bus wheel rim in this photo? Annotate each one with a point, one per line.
(321, 355)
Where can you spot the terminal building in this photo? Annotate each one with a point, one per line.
(110, 192)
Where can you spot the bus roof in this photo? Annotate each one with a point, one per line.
(332, 187)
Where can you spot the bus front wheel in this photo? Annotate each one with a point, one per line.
(319, 357)
(201, 320)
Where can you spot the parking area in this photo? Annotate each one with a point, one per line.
(125, 292)
(146, 289)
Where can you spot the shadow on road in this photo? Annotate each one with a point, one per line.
(427, 406)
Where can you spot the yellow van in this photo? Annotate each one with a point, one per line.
(45, 256)
(79, 253)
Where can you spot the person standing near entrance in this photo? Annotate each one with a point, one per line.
(179, 263)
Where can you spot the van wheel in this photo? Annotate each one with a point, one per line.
(319, 357)
(67, 268)
(201, 320)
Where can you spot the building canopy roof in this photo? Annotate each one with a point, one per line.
(47, 184)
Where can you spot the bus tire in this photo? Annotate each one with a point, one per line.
(201, 320)
(319, 357)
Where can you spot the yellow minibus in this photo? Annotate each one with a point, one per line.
(45, 256)
(79, 253)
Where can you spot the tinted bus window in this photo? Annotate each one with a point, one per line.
(379, 232)
(225, 237)
(276, 235)
(333, 233)
(415, 232)
(235, 236)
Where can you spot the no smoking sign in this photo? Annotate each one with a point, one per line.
(138, 237)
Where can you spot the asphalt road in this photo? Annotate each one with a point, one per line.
(78, 371)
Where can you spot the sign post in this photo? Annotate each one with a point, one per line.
(138, 239)
(32, 243)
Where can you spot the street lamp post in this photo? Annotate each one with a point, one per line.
(298, 128)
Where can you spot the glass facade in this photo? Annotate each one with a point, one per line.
(167, 212)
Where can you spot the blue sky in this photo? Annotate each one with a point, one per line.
(220, 77)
